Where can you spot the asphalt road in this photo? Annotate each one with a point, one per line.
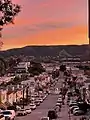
(41, 111)
(48, 104)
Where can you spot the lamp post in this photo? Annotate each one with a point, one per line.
(23, 95)
(89, 25)
(27, 91)
(88, 21)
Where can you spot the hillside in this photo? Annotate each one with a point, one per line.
(74, 50)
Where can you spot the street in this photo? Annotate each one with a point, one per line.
(42, 110)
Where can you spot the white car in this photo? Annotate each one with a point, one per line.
(78, 112)
(57, 91)
(60, 96)
(45, 118)
(22, 112)
(44, 97)
(18, 107)
(59, 100)
(32, 99)
(75, 109)
(9, 114)
(40, 99)
(32, 106)
(73, 104)
(72, 108)
(58, 104)
(28, 110)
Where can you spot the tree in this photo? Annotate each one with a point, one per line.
(8, 12)
(36, 68)
(63, 68)
(2, 66)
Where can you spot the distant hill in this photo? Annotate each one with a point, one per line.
(73, 50)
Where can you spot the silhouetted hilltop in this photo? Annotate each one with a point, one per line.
(74, 50)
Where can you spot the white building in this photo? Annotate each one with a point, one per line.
(22, 67)
(6, 79)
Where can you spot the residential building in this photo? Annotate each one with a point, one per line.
(22, 67)
(3, 95)
(19, 94)
(10, 98)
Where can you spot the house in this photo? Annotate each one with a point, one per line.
(6, 79)
(3, 95)
(10, 98)
(22, 67)
(19, 94)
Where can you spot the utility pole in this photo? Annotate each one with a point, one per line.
(23, 96)
(89, 21)
(27, 88)
(89, 25)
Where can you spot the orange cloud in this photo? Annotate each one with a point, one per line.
(74, 35)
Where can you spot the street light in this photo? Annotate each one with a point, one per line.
(23, 96)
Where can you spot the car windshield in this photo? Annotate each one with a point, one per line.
(6, 112)
(22, 110)
(27, 109)
(31, 105)
(40, 98)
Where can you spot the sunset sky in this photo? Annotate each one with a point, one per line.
(47, 22)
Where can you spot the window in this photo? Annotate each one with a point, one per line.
(6, 112)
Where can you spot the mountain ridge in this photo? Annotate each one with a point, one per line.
(46, 50)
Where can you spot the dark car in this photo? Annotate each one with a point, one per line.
(52, 114)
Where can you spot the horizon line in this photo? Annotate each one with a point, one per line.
(42, 45)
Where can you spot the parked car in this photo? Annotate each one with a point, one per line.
(40, 100)
(28, 110)
(21, 112)
(73, 104)
(58, 104)
(78, 112)
(72, 108)
(32, 106)
(44, 97)
(18, 107)
(2, 117)
(9, 114)
(57, 92)
(60, 96)
(59, 100)
(45, 118)
(32, 98)
(37, 103)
